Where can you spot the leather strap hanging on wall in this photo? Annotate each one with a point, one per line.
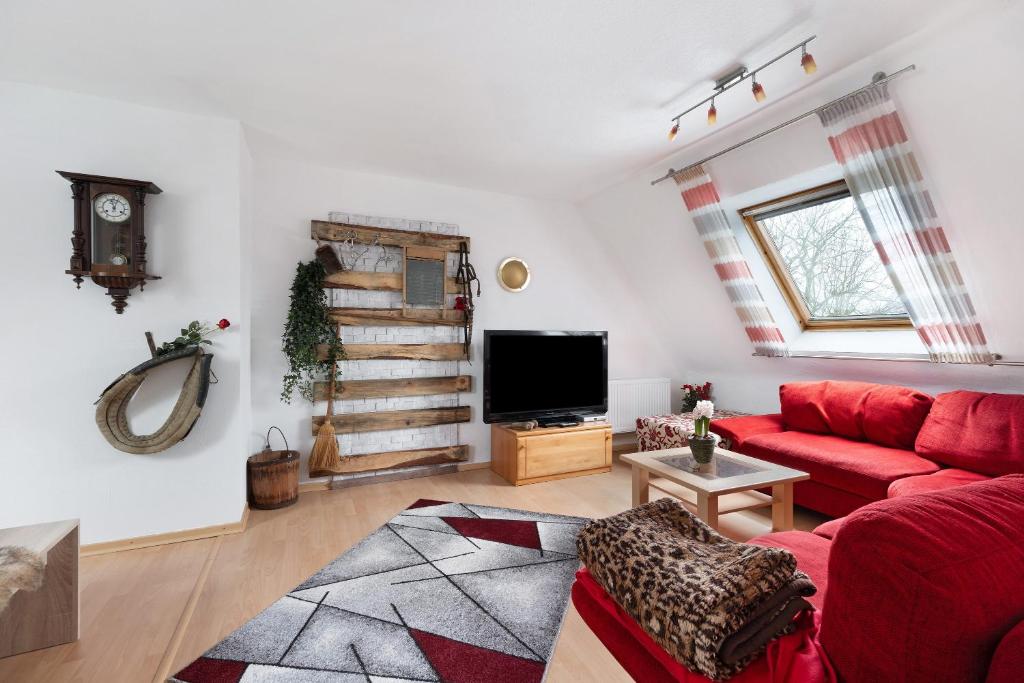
(112, 406)
(465, 276)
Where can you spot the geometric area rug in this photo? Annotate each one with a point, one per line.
(444, 592)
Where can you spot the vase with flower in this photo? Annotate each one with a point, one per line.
(702, 441)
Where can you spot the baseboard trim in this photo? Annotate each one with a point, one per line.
(319, 485)
(474, 466)
(166, 538)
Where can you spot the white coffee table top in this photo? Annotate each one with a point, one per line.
(728, 472)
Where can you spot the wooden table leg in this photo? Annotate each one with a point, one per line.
(707, 509)
(782, 507)
(641, 494)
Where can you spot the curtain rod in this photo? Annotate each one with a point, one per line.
(895, 357)
(874, 82)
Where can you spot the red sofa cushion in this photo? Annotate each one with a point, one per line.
(884, 414)
(859, 467)
(975, 431)
(831, 527)
(793, 658)
(811, 553)
(739, 429)
(1008, 661)
(943, 479)
(924, 587)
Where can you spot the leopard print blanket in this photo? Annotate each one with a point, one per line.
(687, 586)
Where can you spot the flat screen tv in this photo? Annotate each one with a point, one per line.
(538, 375)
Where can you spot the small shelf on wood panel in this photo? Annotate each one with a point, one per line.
(386, 388)
(381, 282)
(326, 231)
(351, 423)
(376, 462)
(400, 352)
(388, 317)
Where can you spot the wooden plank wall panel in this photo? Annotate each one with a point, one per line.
(400, 352)
(375, 462)
(326, 231)
(387, 317)
(381, 282)
(387, 388)
(394, 419)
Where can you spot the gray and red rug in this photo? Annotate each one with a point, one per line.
(443, 592)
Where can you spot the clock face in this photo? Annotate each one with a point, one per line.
(112, 207)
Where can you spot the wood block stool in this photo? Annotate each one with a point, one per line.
(48, 616)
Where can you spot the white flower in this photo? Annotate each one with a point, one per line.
(703, 409)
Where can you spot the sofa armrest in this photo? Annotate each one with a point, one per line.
(739, 429)
(1008, 660)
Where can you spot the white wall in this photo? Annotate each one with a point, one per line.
(963, 119)
(575, 284)
(60, 347)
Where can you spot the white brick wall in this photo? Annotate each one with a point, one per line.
(400, 439)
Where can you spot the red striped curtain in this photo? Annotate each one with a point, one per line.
(871, 145)
(702, 201)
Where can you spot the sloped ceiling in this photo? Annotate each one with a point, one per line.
(554, 99)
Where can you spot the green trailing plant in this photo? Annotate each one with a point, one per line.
(308, 325)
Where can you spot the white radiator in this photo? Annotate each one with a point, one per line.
(629, 399)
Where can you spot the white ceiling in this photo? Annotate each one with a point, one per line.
(549, 98)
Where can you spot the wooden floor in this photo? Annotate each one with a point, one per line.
(148, 612)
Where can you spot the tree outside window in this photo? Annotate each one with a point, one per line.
(821, 255)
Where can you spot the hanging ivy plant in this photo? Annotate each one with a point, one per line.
(308, 325)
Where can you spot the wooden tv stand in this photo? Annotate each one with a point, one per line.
(546, 453)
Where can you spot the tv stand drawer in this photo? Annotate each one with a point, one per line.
(558, 453)
(524, 457)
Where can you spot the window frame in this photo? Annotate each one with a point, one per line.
(780, 273)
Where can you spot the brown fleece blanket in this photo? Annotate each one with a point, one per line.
(710, 602)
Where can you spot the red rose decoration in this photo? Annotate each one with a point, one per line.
(460, 303)
(224, 323)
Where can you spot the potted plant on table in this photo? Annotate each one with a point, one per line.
(702, 441)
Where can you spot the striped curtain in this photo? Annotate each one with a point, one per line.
(702, 201)
(871, 145)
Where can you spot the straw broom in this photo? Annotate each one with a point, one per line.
(325, 456)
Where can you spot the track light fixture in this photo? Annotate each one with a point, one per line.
(740, 74)
(807, 61)
(757, 89)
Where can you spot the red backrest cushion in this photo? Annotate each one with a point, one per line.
(1008, 660)
(975, 431)
(893, 415)
(924, 587)
(880, 413)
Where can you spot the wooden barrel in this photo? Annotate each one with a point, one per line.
(273, 477)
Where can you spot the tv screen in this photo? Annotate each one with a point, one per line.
(533, 374)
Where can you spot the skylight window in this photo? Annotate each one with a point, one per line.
(821, 255)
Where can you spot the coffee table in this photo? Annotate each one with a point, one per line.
(728, 484)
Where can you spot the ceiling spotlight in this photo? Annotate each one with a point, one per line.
(807, 61)
(712, 114)
(673, 131)
(758, 91)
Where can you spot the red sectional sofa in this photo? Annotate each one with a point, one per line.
(923, 588)
(864, 442)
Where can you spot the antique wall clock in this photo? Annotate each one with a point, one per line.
(108, 242)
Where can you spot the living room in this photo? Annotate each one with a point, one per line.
(371, 341)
